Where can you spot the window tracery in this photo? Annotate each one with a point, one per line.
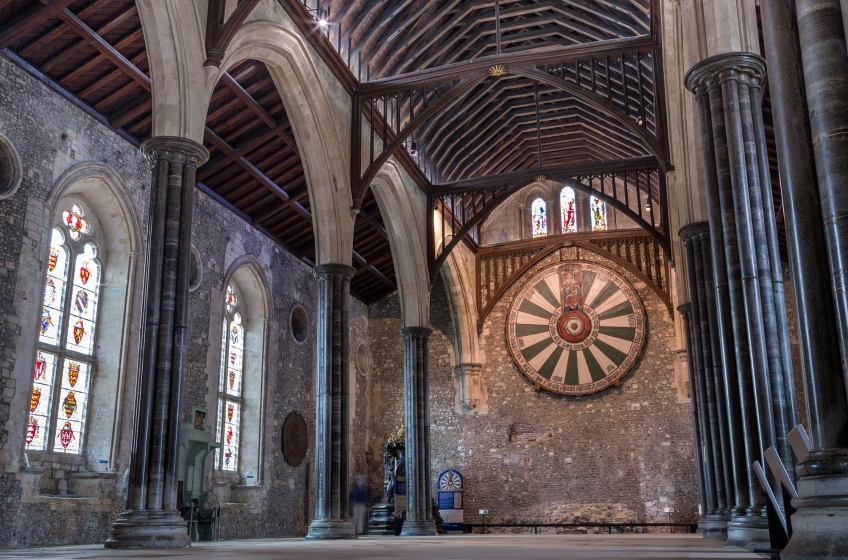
(230, 399)
(569, 210)
(65, 358)
(598, 210)
(539, 218)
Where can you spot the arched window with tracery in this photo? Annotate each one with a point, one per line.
(65, 358)
(569, 210)
(230, 400)
(539, 218)
(598, 210)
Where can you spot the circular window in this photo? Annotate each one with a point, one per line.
(10, 168)
(299, 323)
(363, 359)
(195, 272)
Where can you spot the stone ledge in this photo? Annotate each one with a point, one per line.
(93, 475)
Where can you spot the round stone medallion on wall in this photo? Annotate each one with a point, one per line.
(11, 171)
(195, 274)
(363, 359)
(295, 439)
(575, 328)
(299, 323)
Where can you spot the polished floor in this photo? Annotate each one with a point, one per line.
(464, 547)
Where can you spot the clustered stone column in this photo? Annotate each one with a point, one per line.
(332, 414)
(808, 79)
(416, 389)
(151, 518)
(749, 310)
(703, 472)
(707, 387)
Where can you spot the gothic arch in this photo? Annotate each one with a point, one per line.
(407, 234)
(313, 118)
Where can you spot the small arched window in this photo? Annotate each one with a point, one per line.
(598, 209)
(230, 400)
(569, 210)
(540, 218)
(65, 359)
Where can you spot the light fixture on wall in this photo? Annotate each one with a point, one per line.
(648, 205)
(411, 147)
(322, 16)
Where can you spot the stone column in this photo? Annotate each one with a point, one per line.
(151, 519)
(416, 392)
(332, 408)
(685, 311)
(820, 526)
(722, 86)
(715, 525)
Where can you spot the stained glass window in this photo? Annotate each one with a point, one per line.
(63, 364)
(599, 214)
(569, 210)
(540, 218)
(230, 384)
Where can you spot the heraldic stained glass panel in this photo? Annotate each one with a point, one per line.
(86, 281)
(38, 426)
(232, 417)
(540, 218)
(61, 377)
(599, 214)
(235, 360)
(230, 384)
(73, 396)
(569, 210)
(54, 290)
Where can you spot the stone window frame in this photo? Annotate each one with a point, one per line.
(248, 278)
(116, 231)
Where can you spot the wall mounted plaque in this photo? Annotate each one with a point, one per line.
(295, 439)
(575, 328)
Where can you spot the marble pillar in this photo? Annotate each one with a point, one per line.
(416, 391)
(685, 313)
(717, 517)
(792, 32)
(332, 410)
(727, 87)
(151, 518)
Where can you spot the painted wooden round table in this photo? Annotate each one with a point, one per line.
(576, 328)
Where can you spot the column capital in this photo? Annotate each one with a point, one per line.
(689, 231)
(714, 70)
(415, 332)
(685, 309)
(174, 148)
(330, 269)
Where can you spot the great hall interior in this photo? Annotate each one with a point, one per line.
(467, 278)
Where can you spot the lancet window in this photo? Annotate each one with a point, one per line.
(230, 400)
(66, 350)
(569, 210)
(539, 218)
(598, 211)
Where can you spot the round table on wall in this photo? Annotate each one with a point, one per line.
(575, 328)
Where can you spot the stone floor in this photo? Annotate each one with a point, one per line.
(466, 547)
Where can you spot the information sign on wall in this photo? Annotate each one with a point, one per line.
(451, 499)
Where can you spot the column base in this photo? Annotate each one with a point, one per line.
(714, 526)
(419, 528)
(381, 520)
(820, 526)
(331, 529)
(148, 529)
(701, 524)
(748, 531)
